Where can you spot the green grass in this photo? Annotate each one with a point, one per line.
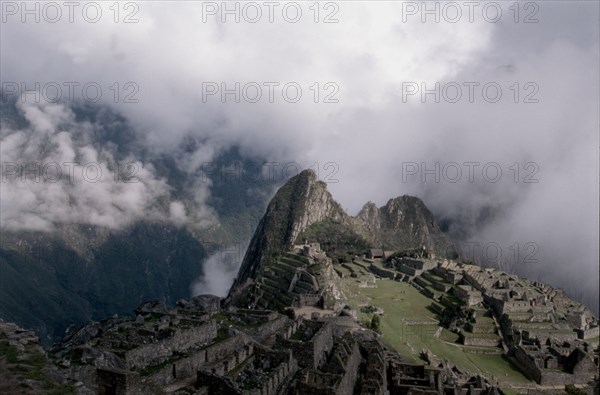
(448, 336)
(342, 269)
(402, 303)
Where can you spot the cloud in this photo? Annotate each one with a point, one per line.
(219, 271)
(54, 173)
(371, 133)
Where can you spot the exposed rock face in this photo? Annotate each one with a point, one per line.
(403, 223)
(24, 367)
(301, 202)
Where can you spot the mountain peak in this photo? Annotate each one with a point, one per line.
(302, 201)
(308, 174)
(303, 208)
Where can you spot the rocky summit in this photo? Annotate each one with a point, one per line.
(326, 303)
(304, 209)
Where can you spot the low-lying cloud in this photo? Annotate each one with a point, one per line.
(219, 270)
(54, 173)
(543, 126)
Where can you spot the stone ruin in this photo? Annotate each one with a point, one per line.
(437, 377)
(543, 332)
(502, 313)
(302, 277)
(202, 347)
(556, 363)
(166, 348)
(198, 347)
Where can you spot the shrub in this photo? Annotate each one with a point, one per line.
(572, 390)
(376, 323)
(290, 312)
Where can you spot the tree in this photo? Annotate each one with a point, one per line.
(290, 312)
(375, 323)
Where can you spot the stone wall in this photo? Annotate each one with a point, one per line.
(561, 378)
(322, 343)
(474, 328)
(527, 364)
(412, 378)
(225, 348)
(308, 300)
(338, 376)
(382, 272)
(451, 276)
(589, 333)
(496, 304)
(411, 271)
(374, 381)
(440, 286)
(470, 340)
(516, 306)
(147, 355)
(279, 375)
(217, 385)
(114, 382)
(310, 353)
(317, 383)
(182, 340)
(467, 294)
(267, 331)
(543, 335)
(187, 366)
(348, 380)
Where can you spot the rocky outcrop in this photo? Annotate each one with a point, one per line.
(403, 223)
(24, 367)
(301, 202)
(304, 202)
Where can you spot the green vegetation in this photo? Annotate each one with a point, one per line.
(56, 286)
(290, 312)
(299, 336)
(316, 268)
(368, 309)
(30, 368)
(376, 323)
(337, 239)
(51, 280)
(448, 336)
(409, 326)
(570, 389)
(150, 370)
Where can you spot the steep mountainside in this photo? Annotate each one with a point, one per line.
(77, 270)
(301, 202)
(403, 223)
(47, 284)
(303, 210)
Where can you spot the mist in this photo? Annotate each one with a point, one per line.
(366, 135)
(219, 271)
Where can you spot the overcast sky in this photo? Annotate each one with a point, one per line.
(375, 139)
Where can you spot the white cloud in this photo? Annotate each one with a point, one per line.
(219, 271)
(370, 132)
(53, 174)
